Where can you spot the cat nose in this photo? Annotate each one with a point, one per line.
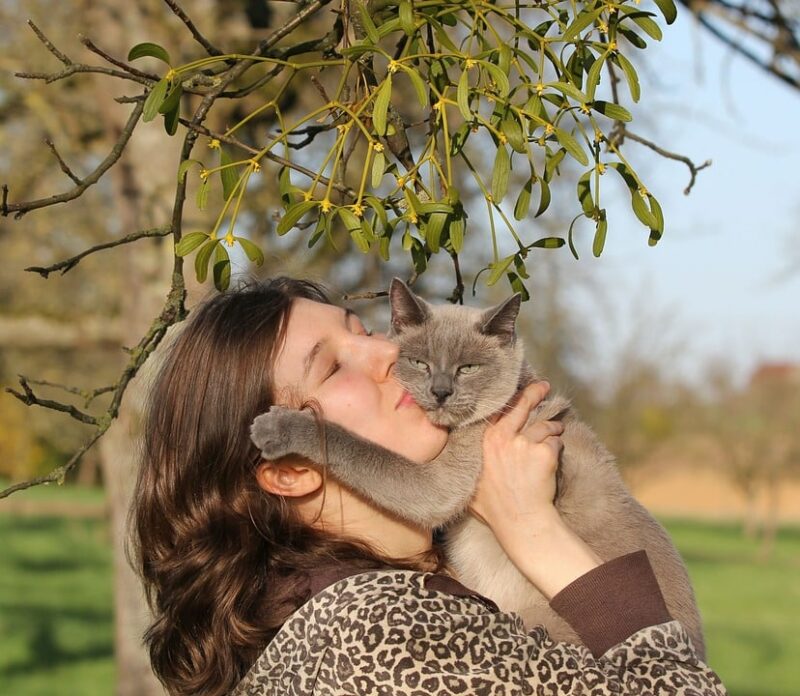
(441, 393)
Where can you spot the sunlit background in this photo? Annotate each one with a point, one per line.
(685, 357)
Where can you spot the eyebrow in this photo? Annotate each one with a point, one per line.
(308, 362)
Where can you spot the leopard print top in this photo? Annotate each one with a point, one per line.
(385, 633)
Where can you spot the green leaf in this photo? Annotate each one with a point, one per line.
(457, 234)
(351, 222)
(571, 145)
(552, 163)
(155, 99)
(626, 174)
(549, 243)
(667, 8)
(418, 85)
(380, 210)
(149, 49)
(615, 111)
(293, 215)
(407, 17)
(252, 250)
(357, 235)
(502, 168)
(642, 211)
(648, 25)
(357, 49)
(462, 95)
(583, 20)
(630, 75)
(433, 207)
(518, 286)
(544, 201)
(632, 36)
(202, 194)
(443, 38)
(497, 269)
(504, 58)
(655, 207)
(202, 259)
(593, 78)
(172, 120)
(389, 27)
(568, 90)
(523, 203)
(368, 24)
(511, 128)
(323, 224)
(459, 138)
(172, 99)
(433, 230)
(585, 193)
(600, 236)
(190, 242)
(381, 106)
(498, 77)
(418, 256)
(222, 268)
(185, 165)
(378, 169)
(228, 174)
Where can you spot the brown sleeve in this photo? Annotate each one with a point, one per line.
(612, 602)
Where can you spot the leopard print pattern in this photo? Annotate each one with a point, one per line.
(383, 633)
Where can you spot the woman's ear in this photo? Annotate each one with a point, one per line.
(289, 478)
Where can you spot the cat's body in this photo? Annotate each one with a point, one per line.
(436, 344)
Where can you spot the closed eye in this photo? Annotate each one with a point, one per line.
(419, 364)
(334, 369)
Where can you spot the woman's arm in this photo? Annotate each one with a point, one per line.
(515, 497)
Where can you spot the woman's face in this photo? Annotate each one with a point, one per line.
(328, 356)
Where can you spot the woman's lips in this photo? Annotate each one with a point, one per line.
(405, 400)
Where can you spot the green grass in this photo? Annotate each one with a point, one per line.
(56, 604)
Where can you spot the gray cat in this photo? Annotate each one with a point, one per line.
(463, 364)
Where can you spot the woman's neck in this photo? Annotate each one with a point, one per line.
(342, 512)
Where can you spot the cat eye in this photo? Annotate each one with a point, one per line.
(468, 369)
(419, 364)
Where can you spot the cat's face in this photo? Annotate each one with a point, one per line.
(460, 364)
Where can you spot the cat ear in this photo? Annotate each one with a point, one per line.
(407, 308)
(500, 320)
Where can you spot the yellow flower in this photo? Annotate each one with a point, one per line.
(502, 138)
(585, 108)
(255, 165)
(539, 88)
(548, 129)
(204, 174)
(469, 64)
(612, 46)
(171, 75)
(378, 147)
(601, 168)
(602, 26)
(229, 239)
(358, 210)
(307, 196)
(401, 181)
(325, 205)
(643, 192)
(489, 198)
(213, 144)
(412, 217)
(598, 135)
(393, 66)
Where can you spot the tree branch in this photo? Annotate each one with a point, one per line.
(86, 41)
(49, 44)
(70, 263)
(20, 209)
(693, 168)
(177, 10)
(61, 162)
(88, 396)
(30, 399)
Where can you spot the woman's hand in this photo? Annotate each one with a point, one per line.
(518, 481)
(515, 497)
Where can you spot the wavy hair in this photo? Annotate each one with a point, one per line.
(218, 556)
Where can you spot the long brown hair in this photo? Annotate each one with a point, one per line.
(218, 556)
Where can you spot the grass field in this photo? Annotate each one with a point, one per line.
(56, 616)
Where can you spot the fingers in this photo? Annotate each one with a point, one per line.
(512, 421)
(541, 430)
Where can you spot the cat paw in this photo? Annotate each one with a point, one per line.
(272, 432)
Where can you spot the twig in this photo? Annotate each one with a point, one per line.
(177, 10)
(88, 396)
(49, 44)
(94, 48)
(30, 399)
(74, 69)
(19, 209)
(61, 162)
(70, 263)
(458, 291)
(693, 168)
(365, 295)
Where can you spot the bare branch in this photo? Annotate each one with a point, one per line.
(70, 263)
(49, 44)
(94, 48)
(88, 396)
(458, 291)
(30, 399)
(74, 69)
(211, 49)
(693, 168)
(19, 209)
(61, 162)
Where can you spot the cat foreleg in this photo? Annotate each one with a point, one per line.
(387, 479)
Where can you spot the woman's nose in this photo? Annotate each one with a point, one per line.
(380, 355)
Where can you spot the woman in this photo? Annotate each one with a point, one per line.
(270, 576)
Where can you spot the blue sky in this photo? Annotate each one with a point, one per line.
(721, 278)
